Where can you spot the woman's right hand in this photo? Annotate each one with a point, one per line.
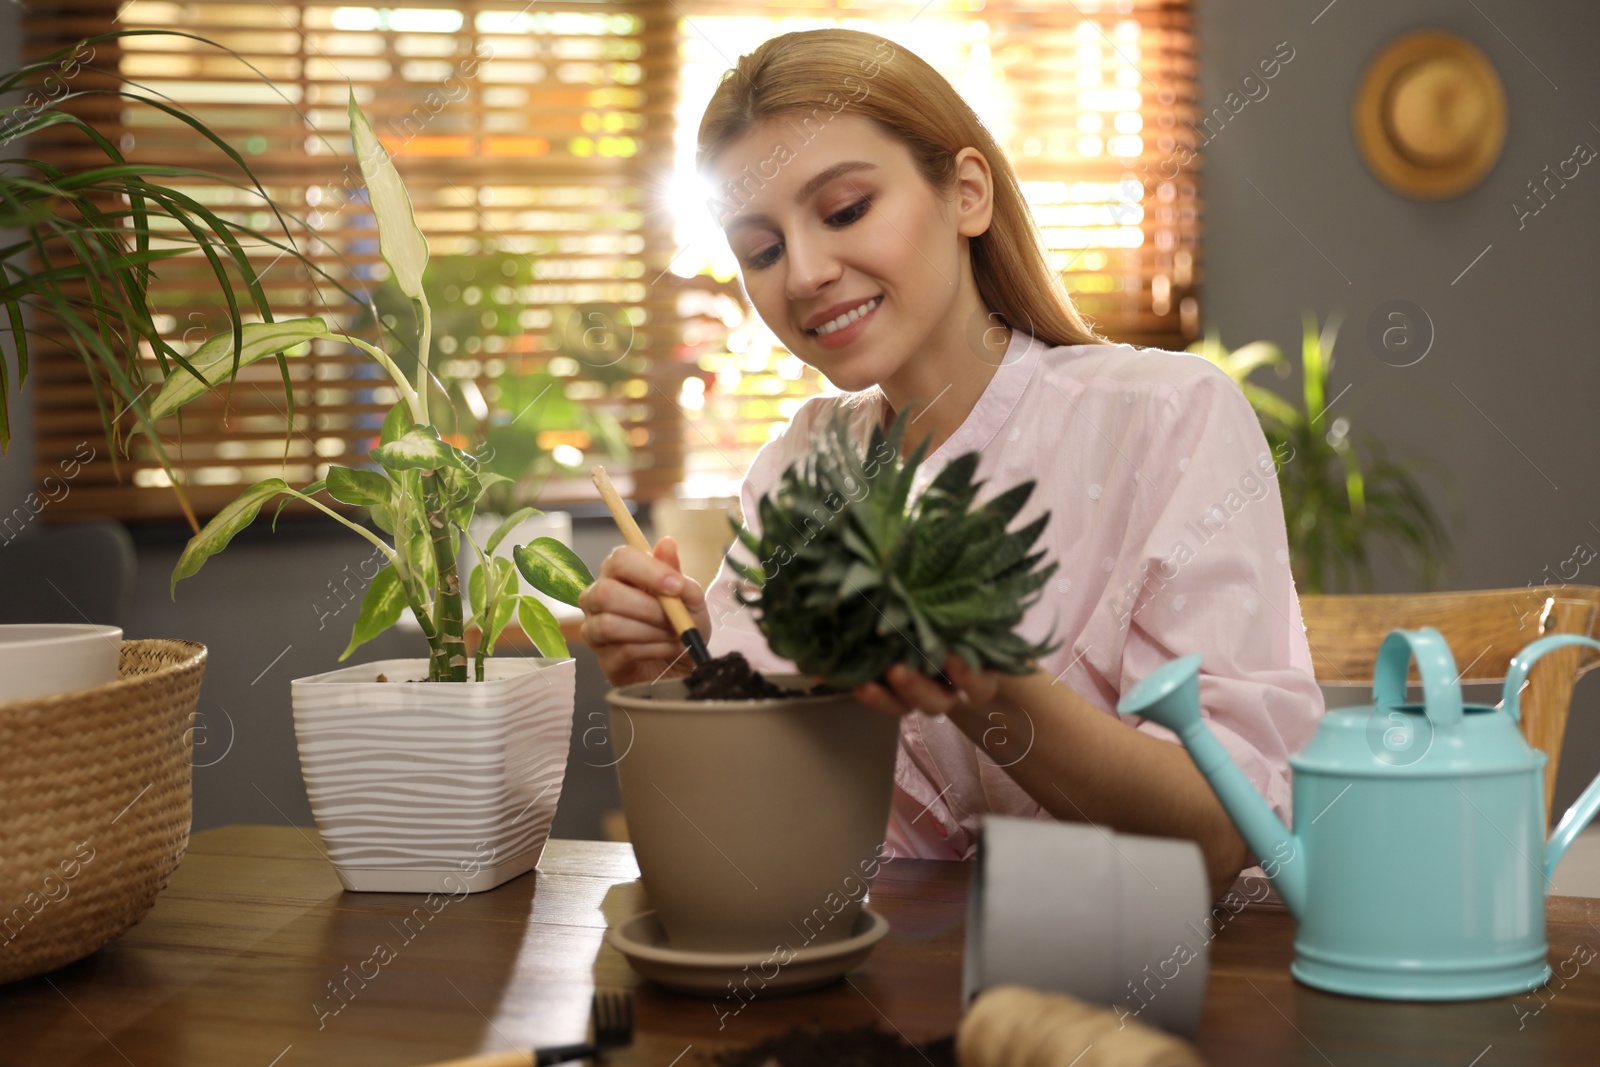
(625, 624)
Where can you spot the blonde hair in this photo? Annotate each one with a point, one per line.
(819, 72)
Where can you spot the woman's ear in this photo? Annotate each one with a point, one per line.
(974, 193)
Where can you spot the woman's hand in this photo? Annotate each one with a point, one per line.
(624, 622)
(967, 690)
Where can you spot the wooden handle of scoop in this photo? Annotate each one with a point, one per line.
(677, 614)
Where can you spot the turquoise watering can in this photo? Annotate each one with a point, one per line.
(1418, 866)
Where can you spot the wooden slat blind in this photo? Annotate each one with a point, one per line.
(530, 131)
(560, 132)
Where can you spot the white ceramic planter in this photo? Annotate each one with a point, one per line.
(42, 659)
(422, 787)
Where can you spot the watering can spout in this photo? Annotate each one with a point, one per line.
(1170, 695)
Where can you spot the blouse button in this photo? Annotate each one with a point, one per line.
(1094, 492)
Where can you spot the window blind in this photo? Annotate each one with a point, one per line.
(551, 142)
(1093, 102)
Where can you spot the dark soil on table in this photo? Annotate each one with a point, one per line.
(839, 1048)
(731, 677)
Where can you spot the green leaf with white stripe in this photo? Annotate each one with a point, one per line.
(214, 359)
(541, 627)
(418, 449)
(366, 489)
(396, 423)
(553, 569)
(512, 521)
(216, 534)
(380, 609)
(400, 241)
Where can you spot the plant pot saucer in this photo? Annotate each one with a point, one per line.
(643, 942)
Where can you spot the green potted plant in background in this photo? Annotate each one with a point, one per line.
(793, 783)
(416, 785)
(1342, 495)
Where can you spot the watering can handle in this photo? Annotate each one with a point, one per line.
(1522, 663)
(1441, 694)
(1588, 803)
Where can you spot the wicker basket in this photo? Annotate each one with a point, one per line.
(94, 806)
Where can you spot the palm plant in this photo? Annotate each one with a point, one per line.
(81, 271)
(1341, 493)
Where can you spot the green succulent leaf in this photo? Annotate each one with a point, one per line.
(553, 569)
(866, 577)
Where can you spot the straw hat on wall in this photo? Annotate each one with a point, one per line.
(1430, 115)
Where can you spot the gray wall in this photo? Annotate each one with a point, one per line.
(1513, 335)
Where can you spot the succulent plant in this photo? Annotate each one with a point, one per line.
(853, 577)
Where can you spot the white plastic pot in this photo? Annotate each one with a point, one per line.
(42, 659)
(424, 787)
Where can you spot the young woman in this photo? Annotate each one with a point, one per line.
(882, 236)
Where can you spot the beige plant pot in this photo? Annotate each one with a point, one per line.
(756, 823)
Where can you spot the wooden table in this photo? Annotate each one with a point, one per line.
(236, 966)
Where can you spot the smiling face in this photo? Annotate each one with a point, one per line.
(850, 257)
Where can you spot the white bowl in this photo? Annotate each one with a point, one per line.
(42, 659)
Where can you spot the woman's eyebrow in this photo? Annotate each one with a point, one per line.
(808, 190)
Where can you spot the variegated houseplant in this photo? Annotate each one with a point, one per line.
(421, 490)
(416, 787)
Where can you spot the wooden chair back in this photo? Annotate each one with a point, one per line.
(1484, 628)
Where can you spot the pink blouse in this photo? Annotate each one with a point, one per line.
(1166, 520)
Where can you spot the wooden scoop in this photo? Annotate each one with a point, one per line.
(677, 614)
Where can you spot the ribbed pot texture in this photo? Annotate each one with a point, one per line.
(434, 787)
